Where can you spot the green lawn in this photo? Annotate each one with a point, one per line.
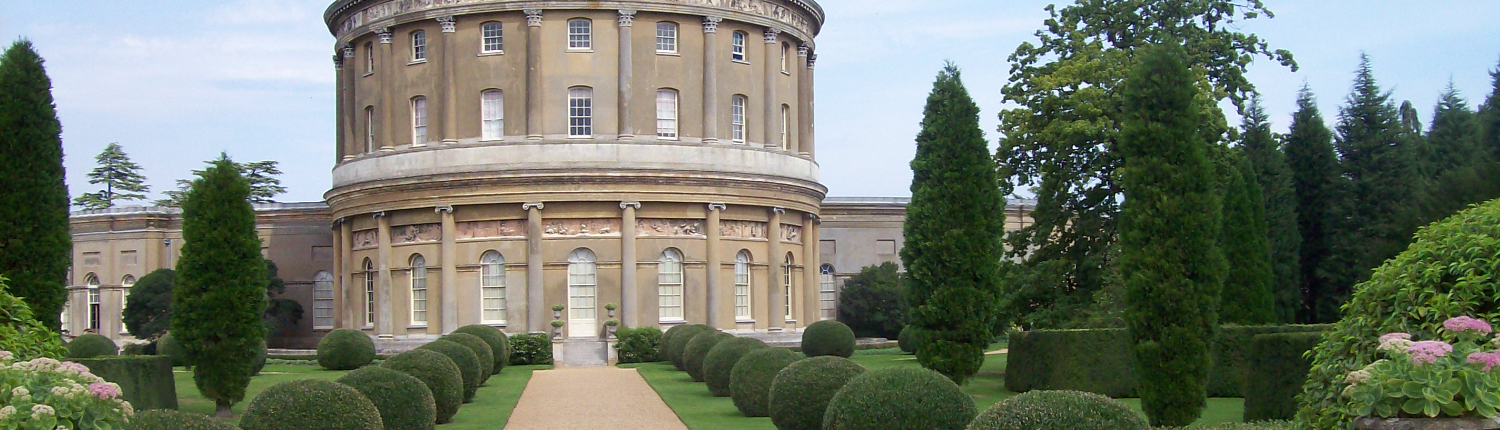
(491, 408)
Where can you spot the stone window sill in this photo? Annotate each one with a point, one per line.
(750, 321)
(413, 63)
(668, 53)
(491, 53)
(745, 62)
(581, 51)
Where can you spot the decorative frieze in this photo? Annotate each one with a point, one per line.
(417, 233)
(581, 228)
(669, 228)
(364, 239)
(742, 230)
(506, 229)
(788, 17)
(791, 233)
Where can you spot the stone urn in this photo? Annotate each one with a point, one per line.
(1467, 423)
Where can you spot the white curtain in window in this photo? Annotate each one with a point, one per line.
(492, 288)
(369, 293)
(125, 284)
(742, 285)
(737, 118)
(419, 120)
(493, 106)
(582, 281)
(666, 113)
(418, 290)
(669, 285)
(787, 282)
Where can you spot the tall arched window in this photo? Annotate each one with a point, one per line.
(369, 293)
(786, 128)
(786, 51)
(742, 285)
(419, 46)
(418, 290)
(666, 113)
(580, 34)
(583, 281)
(737, 118)
(369, 129)
(369, 58)
(92, 282)
(828, 298)
(125, 284)
(418, 120)
(492, 288)
(738, 46)
(581, 112)
(494, 38)
(666, 38)
(669, 285)
(786, 271)
(322, 300)
(492, 107)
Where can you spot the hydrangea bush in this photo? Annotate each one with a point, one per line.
(1456, 376)
(46, 394)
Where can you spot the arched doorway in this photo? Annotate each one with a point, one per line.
(583, 282)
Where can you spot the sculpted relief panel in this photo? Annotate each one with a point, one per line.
(418, 233)
(791, 233)
(669, 228)
(364, 239)
(792, 18)
(581, 227)
(507, 229)
(742, 230)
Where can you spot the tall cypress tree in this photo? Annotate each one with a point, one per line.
(35, 246)
(1169, 262)
(953, 234)
(121, 177)
(1315, 179)
(1376, 154)
(1246, 297)
(221, 285)
(1279, 201)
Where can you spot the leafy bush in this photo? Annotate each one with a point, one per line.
(404, 402)
(828, 338)
(530, 348)
(1279, 366)
(800, 392)
(678, 344)
(148, 308)
(145, 380)
(169, 419)
(169, 347)
(91, 345)
(719, 363)
(1258, 425)
(481, 350)
(46, 393)
(1059, 410)
(21, 333)
(639, 345)
(467, 361)
(1450, 377)
(1449, 271)
(871, 303)
(697, 350)
(345, 349)
(663, 349)
(138, 348)
(311, 404)
(261, 354)
(901, 398)
(438, 373)
(907, 340)
(499, 345)
(750, 379)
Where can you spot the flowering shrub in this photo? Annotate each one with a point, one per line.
(1454, 377)
(46, 394)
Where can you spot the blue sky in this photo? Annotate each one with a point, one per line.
(178, 81)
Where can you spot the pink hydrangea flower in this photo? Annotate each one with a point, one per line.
(1428, 351)
(104, 390)
(1462, 324)
(1490, 360)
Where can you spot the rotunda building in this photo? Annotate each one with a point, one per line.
(500, 158)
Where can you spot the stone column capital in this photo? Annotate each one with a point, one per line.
(624, 205)
(771, 34)
(384, 32)
(627, 17)
(717, 206)
(812, 218)
(533, 17)
(348, 51)
(778, 210)
(803, 50)
(380, 214)
(530, 206)
(711, 24)
(338, 61)
(811, 59)
(443, 208)
(449, 24)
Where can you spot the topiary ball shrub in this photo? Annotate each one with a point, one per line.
(260, 359)
(900, 398)
(1059, 410)
(345, 349)
(907, 341)
(168, 346)
(467, 361)
(499, 345)
(530, 348)
(404, 402)
(639, 345)
(481, 350)
(170, 419)
(800, 392)
(828, 337)
(750, 380)
(311, 404)
(664, 348)
(720, 362)
(90, 346)
(438, 373)
(697, 350)
(678, 344)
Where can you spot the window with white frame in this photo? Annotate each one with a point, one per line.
(580, 112)
(369, 58)
(583, 279)
(786, 53)
(125, 284)
(786, 128)
(92, 282)
(742, 285)
(738, 46)
(666, 38)
(369, 129)
(419, 46)
(786, 270)
(369, 293)
(737, 118)
(492, 288)
(418, 290)
(494, 37)
(828, 298)
(580, 34)
(418, 121)
(63, 317)
(666, 113)
(492, 107)
(322, 300)
(669, 286)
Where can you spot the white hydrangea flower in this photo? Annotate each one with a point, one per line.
(19, 391)
(59, 391)
(40, 409)
(7, 412)
(1358, 377)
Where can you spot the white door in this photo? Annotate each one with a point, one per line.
(582, 290)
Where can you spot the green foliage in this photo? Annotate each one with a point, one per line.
(1258, 425)
(1246, 297)
(1315, 176)
(145, 380)
(345, 349)
(697, 350)
(261, 354)
(467, 361)
(1454, 136)
(91, 345)
(800, 392)
(221, 292)
(495, 338)
(168, 346)
(138, 348)
(718, 366)
(907, 341)
(1279, 201)
(1059, 410)
(311, 404)
(282, 314)
(264, 185)
(530, 348)
(169, 419)
(871, 302)
(1489, 118)
(1278, 368)
(404, 402)
(828, 338)
(677, 346)
(21, 333)
(639, 345)
(953, 233)
(121, 177)
(481, 350)
(666, 337)
(441, 376)
(1449, 271)
(899, 398)
(35, 243)
(1407, 384)
(750, 379)
(148, 308)
(1171, 267)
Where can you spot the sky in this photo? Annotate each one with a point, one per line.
(177, 82)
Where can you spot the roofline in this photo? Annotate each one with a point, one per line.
(330, 15)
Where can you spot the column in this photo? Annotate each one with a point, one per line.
(341, 109)
(715, 270)
(804, 102)
(812, 282)
(627, 127)
(536, 309)
(338, 275)
(383, 320)
(352, 136)
(353, 296)
(387, 80)
(450, 96)
(776, 307)
(629, 299)
(711, 56)
(449, 255)
(533, 79)
(772, 65)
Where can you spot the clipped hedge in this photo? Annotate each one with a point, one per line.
(828, 337)
(1059, 410)
(169, 419)
(495, 338)
(345, 349)
(467, 361)
(145, 380)
(677, 345)
(697, 350)
(720, 362)
(1280, 369)
(311, 404)
(899, 398)
(91, 345)
(639, 345)
(750, 380)
(907, 340)
(438, 373)
(800, 392)
(404, 402)
(168, 346)
(530, 348)
(481, 349)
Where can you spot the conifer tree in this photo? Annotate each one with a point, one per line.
(121, 178)
(1454, 137)
(35, 245)
(1246, 297)
(1489, 118)
(953, 234)
(1315, 179)
(1279, 200)
(1375, 151)
(221, 285)
(264, 185)
(1170, 222)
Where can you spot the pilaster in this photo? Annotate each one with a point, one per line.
(383, 320)
(536, 309)
(629, 296)
(449, 257)
(626, 125)
(533, 77)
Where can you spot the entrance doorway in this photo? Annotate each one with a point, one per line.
(583, 282)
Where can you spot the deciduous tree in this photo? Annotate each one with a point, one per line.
(871, 302)
(148, 308)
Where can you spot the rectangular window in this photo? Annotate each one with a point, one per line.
(369, 130)
(580, 35)
(419, 46)
(737, 118)
(669, 288)
(492, 290)
(738, 53)
(493, 106)
(666, 114)
(369, 58)
(581, 112)
(369, 295)
(742, 286)
(323, 301)
(94, 308)
(827, 297)
(418, 121)
(494, 37)
(787, 283)
(666, 38)
(419, 292)
(786, 128)
(785, 56)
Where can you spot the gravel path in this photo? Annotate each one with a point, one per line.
(596, 398)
